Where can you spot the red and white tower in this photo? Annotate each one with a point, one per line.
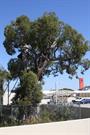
(81, 83)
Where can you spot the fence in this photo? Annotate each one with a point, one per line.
(19, 115)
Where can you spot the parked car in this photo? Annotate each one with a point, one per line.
(85, 101)
(77, 100)
(81, 101)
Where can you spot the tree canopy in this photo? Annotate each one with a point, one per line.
(46, 45)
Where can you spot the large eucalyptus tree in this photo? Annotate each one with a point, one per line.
(44, 46)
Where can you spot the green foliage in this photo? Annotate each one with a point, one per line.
(44, 46)
(15, 66)
(45, 116)
(62, 113)
(29, 92)
(3, 74)
(56, 113)
(16, 34)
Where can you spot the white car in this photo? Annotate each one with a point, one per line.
(77, 100)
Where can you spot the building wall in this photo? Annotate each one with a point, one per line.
(5, 98)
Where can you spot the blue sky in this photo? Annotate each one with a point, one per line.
(72, 12)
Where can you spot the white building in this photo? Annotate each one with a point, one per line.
(5, 98)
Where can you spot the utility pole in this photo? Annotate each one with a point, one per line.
(8, 91)
(56, 92)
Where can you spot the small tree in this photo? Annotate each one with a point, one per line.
(29, 91)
